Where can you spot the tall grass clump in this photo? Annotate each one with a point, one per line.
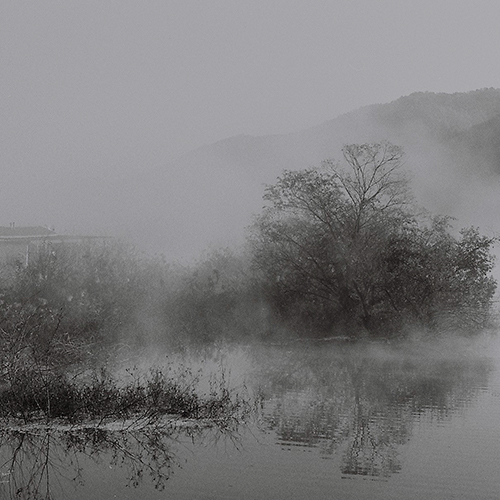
(101, 397)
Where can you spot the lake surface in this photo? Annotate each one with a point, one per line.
(372, 421)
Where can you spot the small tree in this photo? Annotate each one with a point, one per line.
(328, 240)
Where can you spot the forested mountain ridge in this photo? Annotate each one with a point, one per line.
(423, 120)
(440, 112)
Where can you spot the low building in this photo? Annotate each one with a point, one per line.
(23, 242)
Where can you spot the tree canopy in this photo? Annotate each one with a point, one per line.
(343, 246)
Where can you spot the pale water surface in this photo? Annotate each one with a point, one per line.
(335, 421)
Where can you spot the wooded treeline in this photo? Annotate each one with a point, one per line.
(338, 250)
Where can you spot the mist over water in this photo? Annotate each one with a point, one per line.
(360, 421)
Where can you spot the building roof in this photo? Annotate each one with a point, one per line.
(26, 231)
(28, 234)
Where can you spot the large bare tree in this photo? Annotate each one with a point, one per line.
(324, 241)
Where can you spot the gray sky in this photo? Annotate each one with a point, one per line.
(109, 85)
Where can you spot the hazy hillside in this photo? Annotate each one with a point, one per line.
(478, 147)
(218, 186)
(452, 143)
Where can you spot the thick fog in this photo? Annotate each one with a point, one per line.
(102, 104)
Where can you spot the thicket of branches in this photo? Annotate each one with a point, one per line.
(66, 316)
(74, 305)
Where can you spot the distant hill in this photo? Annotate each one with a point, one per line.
(452, 149)
(452, 144)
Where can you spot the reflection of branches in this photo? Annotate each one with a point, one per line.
(147, 450)
(364, 403)
(35, 462)
(30, 464)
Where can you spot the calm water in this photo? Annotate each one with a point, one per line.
(333, 421)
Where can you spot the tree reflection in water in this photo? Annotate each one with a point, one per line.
(359, 404)
(40, 462)
(362, 404)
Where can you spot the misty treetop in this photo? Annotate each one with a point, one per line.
(344, 248)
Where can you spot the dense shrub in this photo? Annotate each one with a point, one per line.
(214, 299)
